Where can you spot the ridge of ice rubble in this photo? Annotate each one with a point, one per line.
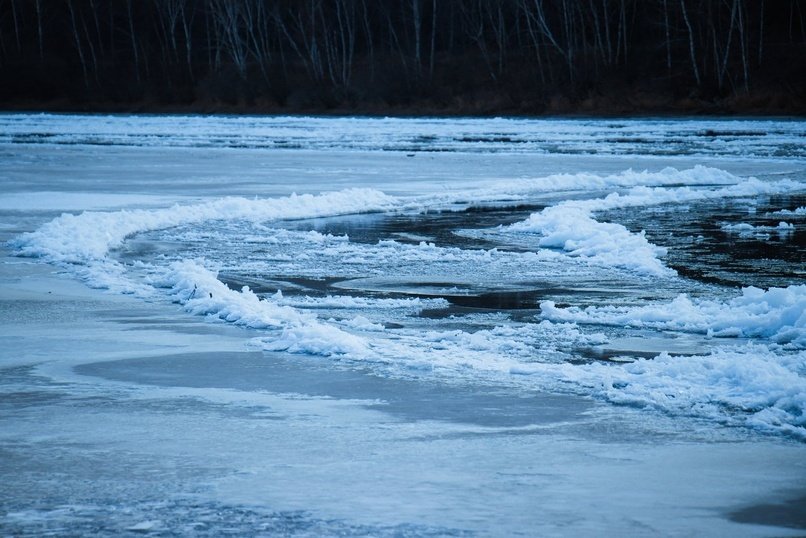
(755, 385)
(91, 235)
(201, 293)
(778, 314)
(669, 176)
(571, 226)
(576, 232)
(748, 385)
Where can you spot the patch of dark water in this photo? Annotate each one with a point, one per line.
(790, 513)
(316, 287)
(491, 296)
(145, 247)
(702, 246)
(432, 227)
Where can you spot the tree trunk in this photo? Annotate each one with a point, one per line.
(668, 39)
(77, 40)
(38, 5)
(133, 36)
(761, 33)
(690, 43)
(433, 38)
(417, 23)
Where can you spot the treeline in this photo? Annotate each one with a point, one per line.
(466, 56)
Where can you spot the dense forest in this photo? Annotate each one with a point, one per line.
(406, 56)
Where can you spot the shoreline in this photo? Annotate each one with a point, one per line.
(674, 109)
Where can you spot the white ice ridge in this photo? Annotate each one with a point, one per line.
(91, 235)
(571, 225)
(778, 314)
(516, 189)
(574, 230)
(747, 385)
(201, 293)
(697, 175)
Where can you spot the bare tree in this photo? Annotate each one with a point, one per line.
(668, 38)
(691, 43)
(257, 26)
(14, 17)
(38, 6)
(433, 39)
(77, 41)
(133, 37)
(301, 35)
(227, 16)
(743, 45)
(760, 32)
(417, 24)
(368, 35)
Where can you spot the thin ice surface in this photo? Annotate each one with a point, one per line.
(739, 137)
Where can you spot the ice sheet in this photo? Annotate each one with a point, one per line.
(780, 139)
(373, 359)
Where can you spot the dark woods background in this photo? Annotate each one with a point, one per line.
(411, 56)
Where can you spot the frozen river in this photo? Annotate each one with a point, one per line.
(331, 326)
